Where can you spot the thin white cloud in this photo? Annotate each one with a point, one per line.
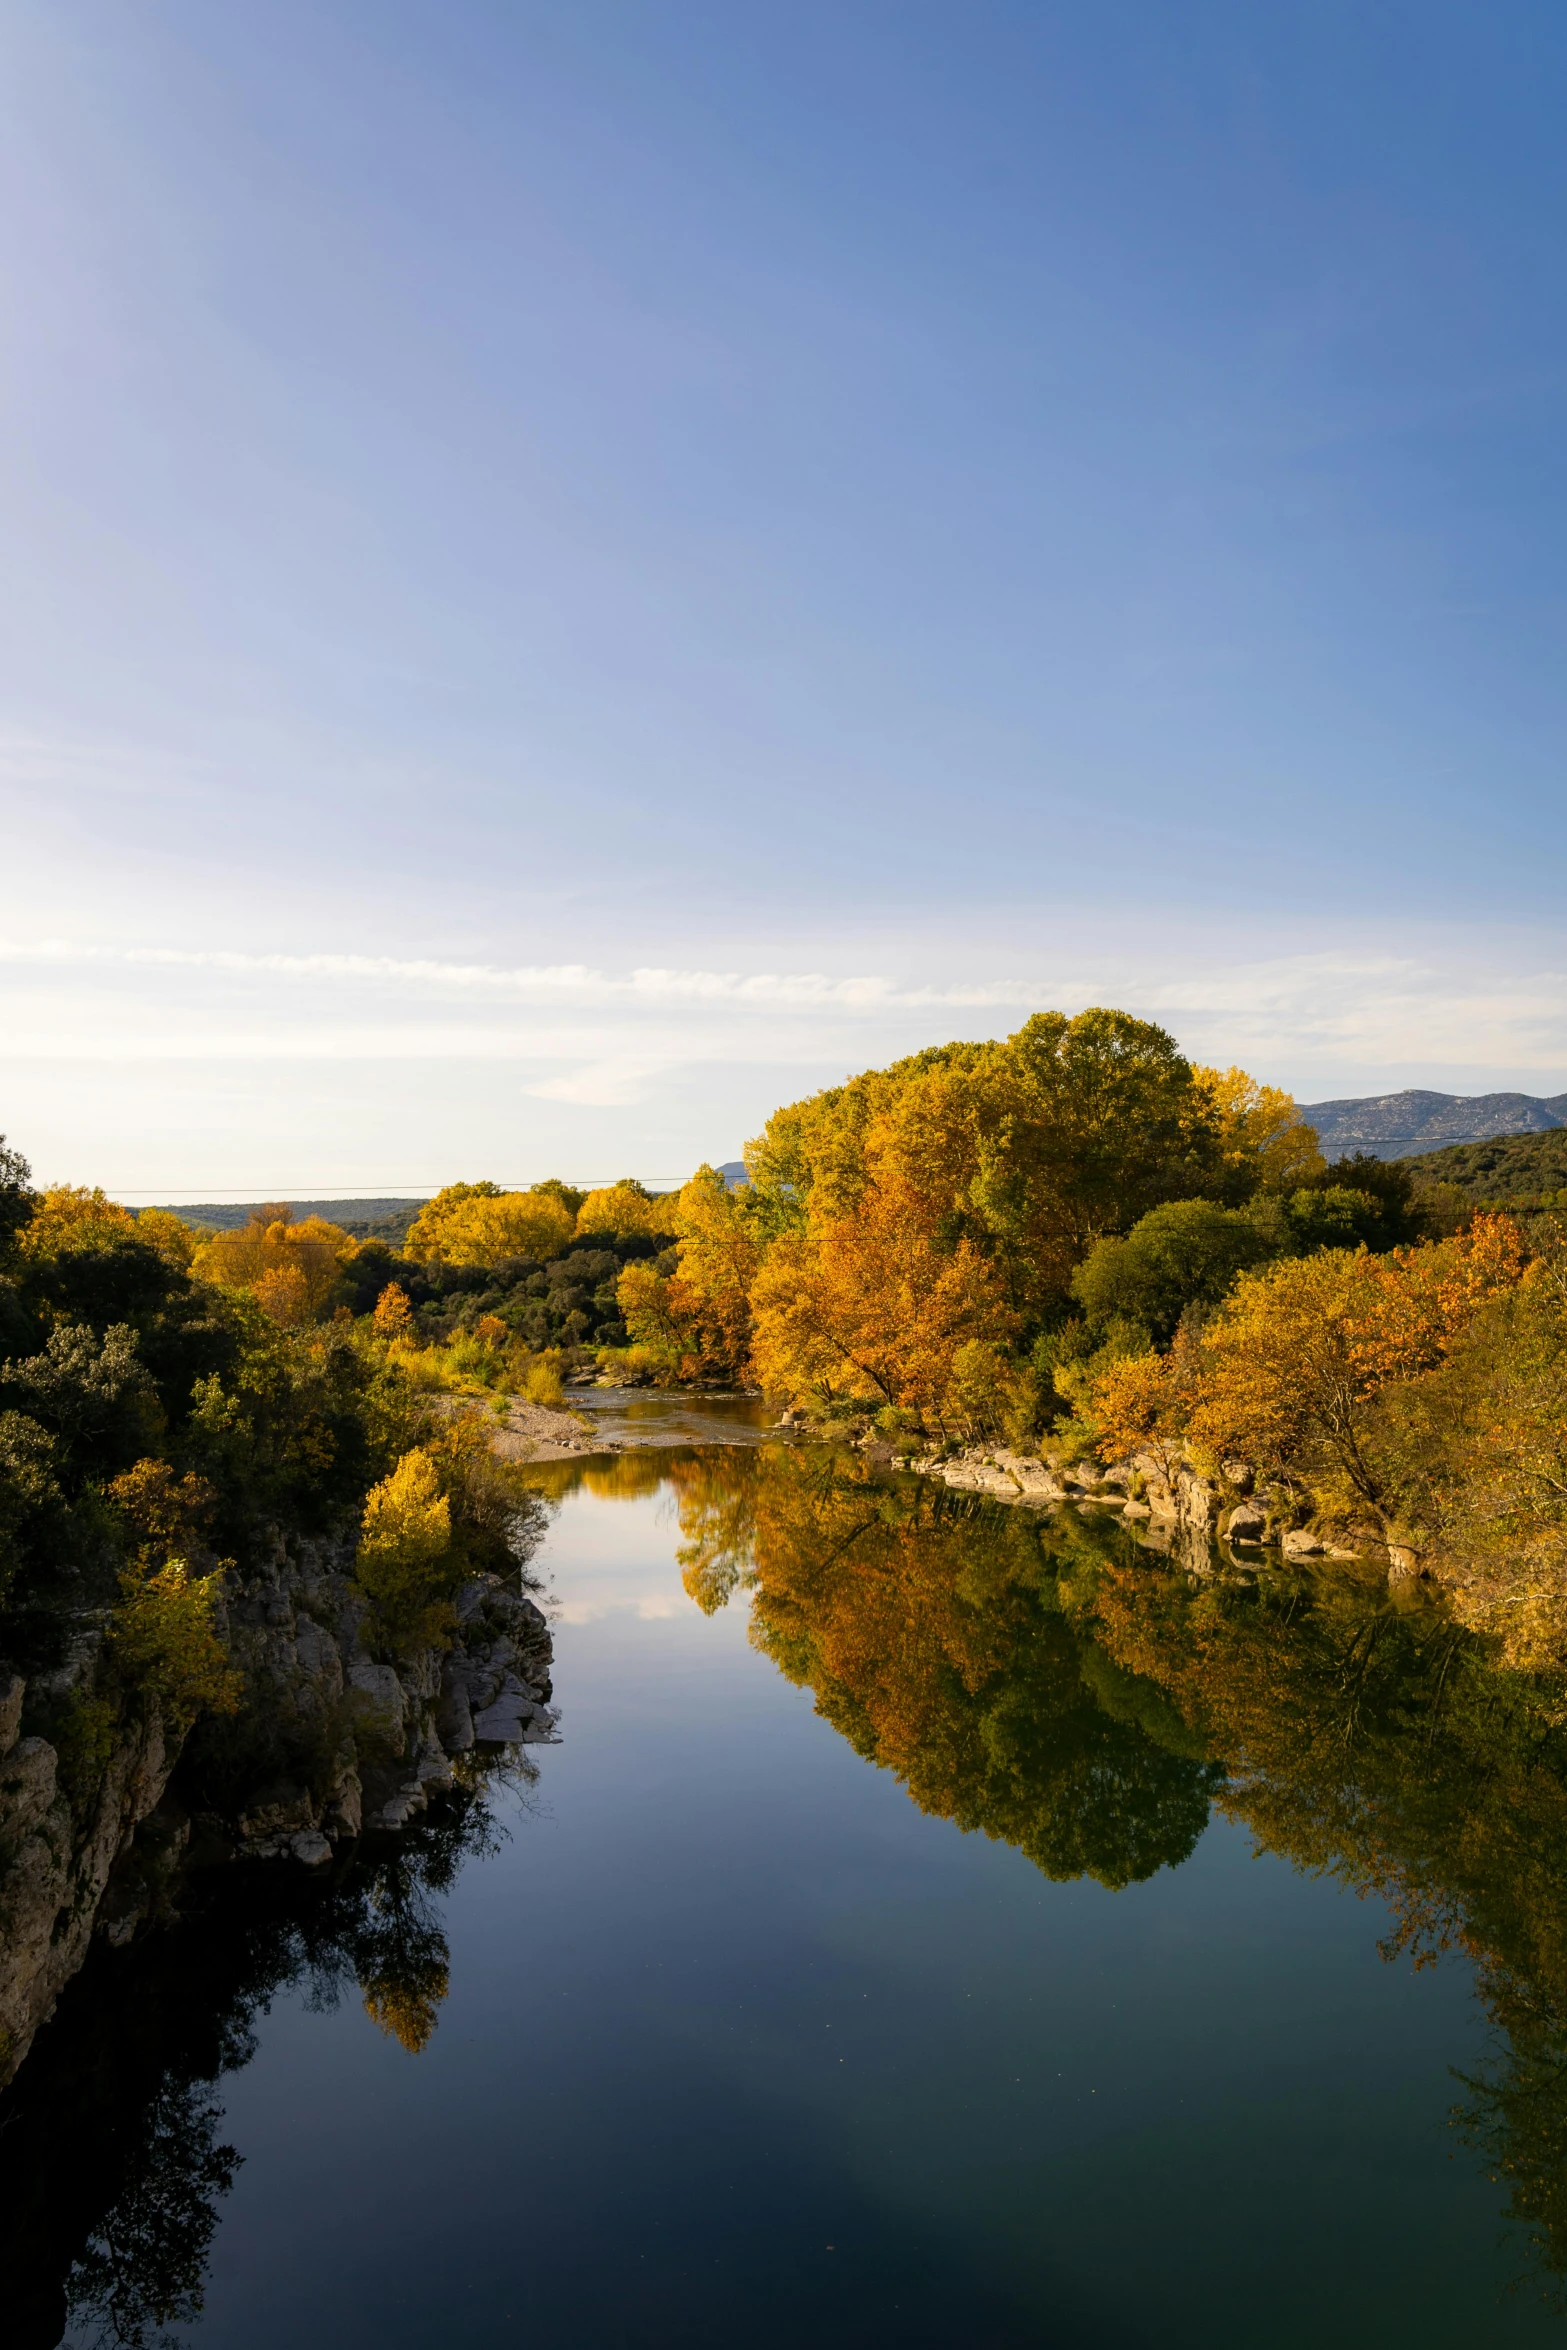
(574, 983)
(604, 1085)
(614, 1037)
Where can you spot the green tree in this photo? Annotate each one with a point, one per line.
(1186, 1253)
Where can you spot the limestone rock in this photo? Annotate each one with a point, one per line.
(505, 1721)
(342, 1814)
(375, 1692)
(1033, 1478)
(294, 1626)
(1301, 1543)
(454, 1719)
(54, 1869)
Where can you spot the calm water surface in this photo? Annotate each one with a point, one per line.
(738, 2042)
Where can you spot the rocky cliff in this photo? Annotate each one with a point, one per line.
(333, 1741)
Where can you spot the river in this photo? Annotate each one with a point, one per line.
(933, 1926)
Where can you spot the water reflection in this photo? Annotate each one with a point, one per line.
(1046, 1680)
(112, 2170)
(1065, 1688)
(941, 1641)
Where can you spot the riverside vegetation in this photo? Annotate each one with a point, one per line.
(1080, 1247)
(1048, 1681)
(258, 1588)
(261, 1569)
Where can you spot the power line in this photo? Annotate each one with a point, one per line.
(279, 1191)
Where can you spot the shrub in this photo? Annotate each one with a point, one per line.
(543, 1384)
(83, 1740)
(164, 1641)
(405, 1566)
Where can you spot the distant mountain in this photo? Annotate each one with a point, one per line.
(733, 1172)
(1404, 1125)
(379, 1219)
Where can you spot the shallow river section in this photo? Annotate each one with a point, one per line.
(736, 2039)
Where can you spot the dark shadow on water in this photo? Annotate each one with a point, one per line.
(112, 2161)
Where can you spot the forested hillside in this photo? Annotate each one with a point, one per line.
(1518, 1170)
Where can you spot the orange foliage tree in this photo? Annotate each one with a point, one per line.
(1292, 1369)
(873, 1306)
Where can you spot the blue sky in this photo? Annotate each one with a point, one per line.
(573, 572)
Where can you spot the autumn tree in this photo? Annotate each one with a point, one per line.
(393, 1316)
(174, 1239)
(1294, 1363)
(405, 1561)
(479, 1224)
(1031, 1149)
(1264, 1144)
(1481, 1448)
(75, 1216)
(163, 1637)
(626, 1206)
(293, 1267)
(697, 1320)
(873, 1306)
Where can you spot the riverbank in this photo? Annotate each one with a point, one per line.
(538, 1432)
(332, 1741)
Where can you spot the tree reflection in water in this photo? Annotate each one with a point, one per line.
(111, 2164)
(1065, 1688)
(1044, 1679)
(937, 1638)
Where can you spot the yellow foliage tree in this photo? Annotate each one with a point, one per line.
(164, 1639)
(283, 1293)
(1263, 1140)
(1138, 1400)
(174, 1239)
(626, 1206)
(1036, 1147)
(393, 1314)
(293, 1268)
(698, 1320)
(74, 1216)
(653, 1309)
(406, 1561)
(479, 1224)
